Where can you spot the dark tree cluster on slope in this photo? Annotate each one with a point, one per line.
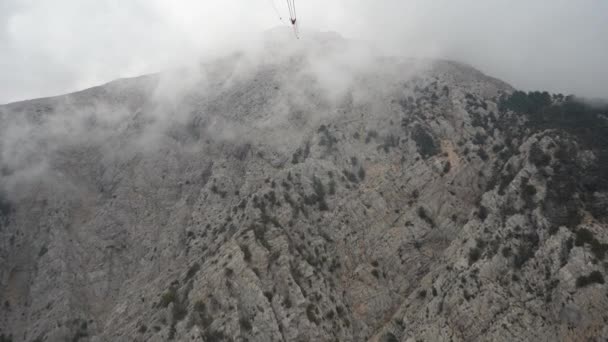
(425, 142)
(523, 102)
(581, 126)
(576, 116)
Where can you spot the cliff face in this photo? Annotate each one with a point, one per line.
(307, 193)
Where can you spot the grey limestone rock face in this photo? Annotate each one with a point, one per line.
(297, 194)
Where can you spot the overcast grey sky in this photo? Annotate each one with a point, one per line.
(53, 47)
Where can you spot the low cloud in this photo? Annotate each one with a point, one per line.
(50, 48)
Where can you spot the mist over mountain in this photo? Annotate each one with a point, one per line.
(304, 190)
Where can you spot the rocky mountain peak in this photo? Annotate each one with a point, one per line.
(304, 193)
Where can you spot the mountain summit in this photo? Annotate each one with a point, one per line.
(304, 192)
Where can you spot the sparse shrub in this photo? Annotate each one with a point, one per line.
(350, 176)
(214, 336)
(199, 306)
(599, 249)
(259, 233)
(594, 277)
(319, 195)
(6, 208)
(585, 236)
(446, 167)
(526, 250)
(415, 194)
(287, 302)
(310, 313)
(179, 311)
(505, 180)
(246, 253)
(193, 270)
(340, 311)
(528, 193)
(332, 187)
(389, 337)
(245, 324)
(327, 140)
(479, 138)
(202, 317)
(482, 213)
(538, 157)
(474, 255)
(318, 187)
(477, 120)
(300, 155)
(482, 154)
(172, 332)
(361, 173)
(390, 141)
(425, 217)
(371, 135)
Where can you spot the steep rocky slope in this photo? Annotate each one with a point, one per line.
(304, 192)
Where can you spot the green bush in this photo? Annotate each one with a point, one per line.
(168, 297)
